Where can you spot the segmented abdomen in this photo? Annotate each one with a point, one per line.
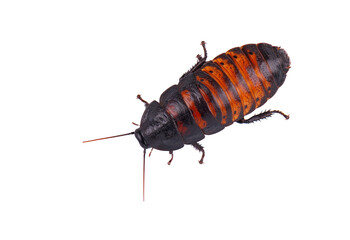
(237, 82)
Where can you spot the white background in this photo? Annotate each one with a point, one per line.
(70, 71)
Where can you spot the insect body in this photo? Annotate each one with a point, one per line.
(213, 95)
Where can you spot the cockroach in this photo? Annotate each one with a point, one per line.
(211, 96)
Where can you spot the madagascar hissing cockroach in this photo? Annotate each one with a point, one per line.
(211, 96)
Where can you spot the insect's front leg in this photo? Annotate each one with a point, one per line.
(141, 99)
(172, 157)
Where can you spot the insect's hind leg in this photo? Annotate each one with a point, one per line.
(201, 61)
(262, 115)
(201, 149)
(199, 57)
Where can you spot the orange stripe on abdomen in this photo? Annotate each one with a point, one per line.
(186, 95)
(238, 82)
(247, 71)
(209, 103)
(220, 104)
(218, 75)
(261, 68)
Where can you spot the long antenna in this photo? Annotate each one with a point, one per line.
(109, 137)
(144, 160)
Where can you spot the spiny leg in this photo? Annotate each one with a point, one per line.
(262, 115)
(201, 61)
(199, 57)
(205, 50)
(201, 149)
(141, 99)
(172, 156)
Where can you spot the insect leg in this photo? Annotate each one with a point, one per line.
(135, 124)
(201, 61)
(201, 149)
(149, 155)
(199, 57)
(172, 156)
(262, 115)
(141, 99)
(205, 51)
